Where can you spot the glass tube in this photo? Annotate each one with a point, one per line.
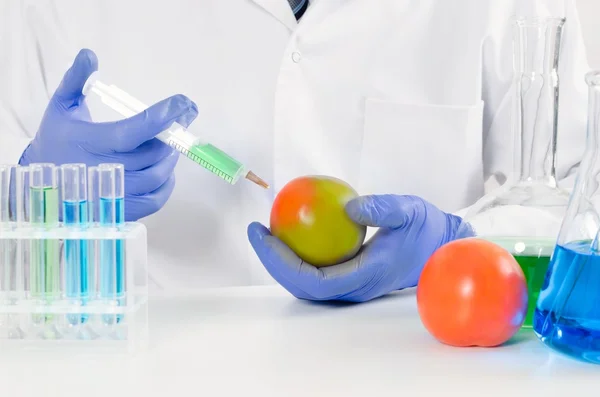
(23, 251)
(524, 216)
(75, 216)
(11, 290)
(44, 213)
(111, 181)
(6, 249)
(567, 315)
(5, 173)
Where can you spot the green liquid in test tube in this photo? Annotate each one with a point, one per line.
(45, 253)
(206, 155)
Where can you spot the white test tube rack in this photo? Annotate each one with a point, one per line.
(67, 281)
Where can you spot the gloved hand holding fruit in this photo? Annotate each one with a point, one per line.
(315, 246)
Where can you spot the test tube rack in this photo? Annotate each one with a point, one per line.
(73, 273)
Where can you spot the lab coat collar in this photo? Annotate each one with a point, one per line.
(281, 10)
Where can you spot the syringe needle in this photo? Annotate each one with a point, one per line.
(251, 176)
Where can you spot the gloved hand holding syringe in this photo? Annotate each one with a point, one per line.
(176, 136)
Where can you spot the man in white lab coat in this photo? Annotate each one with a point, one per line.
(409, 102)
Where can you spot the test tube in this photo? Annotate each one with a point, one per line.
(94, 245)
(93, 196)
(75, 216)
(8, 294)
(8, 247)
(5, 172)
(21, 195)
(111, 213)
(23, 250)
(44, 214)
(6, 265)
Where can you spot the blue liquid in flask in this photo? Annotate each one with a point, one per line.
(112, 256)
(75, 213)
(567, 315)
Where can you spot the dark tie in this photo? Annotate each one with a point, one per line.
(298, 6)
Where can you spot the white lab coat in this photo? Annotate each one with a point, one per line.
(393, 96)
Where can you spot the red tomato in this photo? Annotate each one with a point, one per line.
(472, 293)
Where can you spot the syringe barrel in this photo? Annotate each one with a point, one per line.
(176, 136)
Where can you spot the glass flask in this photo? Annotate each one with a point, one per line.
(525, 214)
(567, 314)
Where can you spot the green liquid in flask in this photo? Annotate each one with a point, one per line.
(534, 257)
(534, 268)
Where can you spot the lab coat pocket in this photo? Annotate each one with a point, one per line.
(427, 150)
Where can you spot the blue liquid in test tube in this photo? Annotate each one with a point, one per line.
(77, 284)
(75, 216)
(112, 252)
(113, 276)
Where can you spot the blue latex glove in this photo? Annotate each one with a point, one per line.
(410, 230)
(67, 135)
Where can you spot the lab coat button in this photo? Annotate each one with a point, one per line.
(296, 57)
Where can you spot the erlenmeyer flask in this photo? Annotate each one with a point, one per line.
(567, 316)
(525, 214)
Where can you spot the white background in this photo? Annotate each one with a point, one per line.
(589, 11)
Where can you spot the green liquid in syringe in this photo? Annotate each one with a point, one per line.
(534, 257)
(216, 161)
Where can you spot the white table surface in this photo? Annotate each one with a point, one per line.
(260, 341)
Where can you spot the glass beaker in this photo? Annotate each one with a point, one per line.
(567, 316)
(525, 214)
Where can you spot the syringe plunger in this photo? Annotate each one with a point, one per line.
(176, 136)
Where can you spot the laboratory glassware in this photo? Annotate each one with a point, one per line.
(567, 315)
(6, 268)
(203, 153)
(524, 215)
(111, 214)
(44, 213)
(75, 215)
(5, 260)
(71, 268)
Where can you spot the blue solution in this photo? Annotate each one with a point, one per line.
(567, 316)
(112, 255)
(75, 213)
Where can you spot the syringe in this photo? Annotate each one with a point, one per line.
(176, 136)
